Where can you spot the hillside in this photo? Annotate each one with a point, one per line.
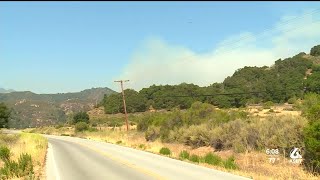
(31, 110)
(287, 79)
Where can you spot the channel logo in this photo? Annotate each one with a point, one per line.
(295, 155)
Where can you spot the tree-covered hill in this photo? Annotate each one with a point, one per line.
(287, 78)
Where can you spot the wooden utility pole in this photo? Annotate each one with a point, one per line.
(124, 102)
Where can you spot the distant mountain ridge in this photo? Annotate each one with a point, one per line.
(31, 109)
(2, 90)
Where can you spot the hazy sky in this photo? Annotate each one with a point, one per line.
(50, 47)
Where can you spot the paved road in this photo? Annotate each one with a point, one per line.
(71, 158)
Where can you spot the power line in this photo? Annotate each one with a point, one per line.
(239, 93)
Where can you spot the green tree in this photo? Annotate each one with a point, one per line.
(135, 102)
(4, 115)
(112, 103)
(311, 107)
(313, 82)
(81, 117)
(312, 145)
(315, 51)
(311, 110)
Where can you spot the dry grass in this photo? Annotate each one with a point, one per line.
(255, 164)
(279, 110)
(33, 144)
(51, 130)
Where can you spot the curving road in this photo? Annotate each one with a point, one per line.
(71, 158)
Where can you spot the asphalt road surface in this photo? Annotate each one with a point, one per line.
(71, 158)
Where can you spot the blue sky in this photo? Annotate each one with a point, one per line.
(50, 47)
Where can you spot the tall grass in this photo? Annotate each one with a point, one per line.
(212, 159)
(26, 149)
(184, 154)
(165, 151)
(194, 158)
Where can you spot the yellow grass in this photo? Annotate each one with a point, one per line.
(51, 130)
(33, 144)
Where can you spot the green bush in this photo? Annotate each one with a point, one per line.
(142, 146)
(81, 126)
(312, 145)
(267, 105)
(311, 106)
(118, 142)
(152, 133)
(271, 110)
(213, 159)
(310, 109)
(25, 164)
(292, 100)
(4, 153)
(80, 117)
(12, 169)
(184, 154)
(194, 158)
(94, 124)
(194, 136)
(165, 151)
(230, 163)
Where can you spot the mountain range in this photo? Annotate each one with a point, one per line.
(33, 110)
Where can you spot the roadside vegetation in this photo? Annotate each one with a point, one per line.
(22, 156)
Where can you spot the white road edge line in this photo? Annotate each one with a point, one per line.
(56, 172)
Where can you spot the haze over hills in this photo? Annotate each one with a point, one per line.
(2, 90)
(31, 109)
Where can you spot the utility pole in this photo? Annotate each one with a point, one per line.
(124, 102)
